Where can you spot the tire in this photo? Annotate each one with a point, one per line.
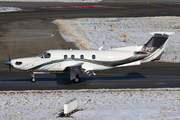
(33, 80)
(77, 79)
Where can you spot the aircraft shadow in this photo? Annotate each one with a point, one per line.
(129, 76)
(64, 78)
(84, 79)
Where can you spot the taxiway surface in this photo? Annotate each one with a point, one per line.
(148, 75)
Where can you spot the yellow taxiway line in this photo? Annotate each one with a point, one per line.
(8, 69)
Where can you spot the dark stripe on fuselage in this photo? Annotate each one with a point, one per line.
(137, 56)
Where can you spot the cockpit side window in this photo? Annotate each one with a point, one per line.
(47, 55)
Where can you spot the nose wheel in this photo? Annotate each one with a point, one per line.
(33, 78)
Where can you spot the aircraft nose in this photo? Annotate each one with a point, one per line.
(7, 62)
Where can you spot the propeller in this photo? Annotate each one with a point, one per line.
(8, 63)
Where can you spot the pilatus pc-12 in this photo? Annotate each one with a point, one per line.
(88, 61)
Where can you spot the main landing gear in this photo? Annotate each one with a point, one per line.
(74, 75)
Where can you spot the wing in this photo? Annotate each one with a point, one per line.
(77, 68)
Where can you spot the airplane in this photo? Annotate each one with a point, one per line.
(87, 62)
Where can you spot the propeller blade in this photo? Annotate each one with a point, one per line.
(10, 64)
(9, 67)
(9, 58)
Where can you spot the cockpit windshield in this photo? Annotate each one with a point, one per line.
(41, 55)
(45, 55)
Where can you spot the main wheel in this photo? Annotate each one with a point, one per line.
(33, 79)
(77, 79)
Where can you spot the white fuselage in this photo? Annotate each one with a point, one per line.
(91, 59)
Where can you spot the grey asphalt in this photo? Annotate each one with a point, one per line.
(148, 75)
(21, 36)
(44, 4)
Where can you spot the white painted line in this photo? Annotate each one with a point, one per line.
(46, 35)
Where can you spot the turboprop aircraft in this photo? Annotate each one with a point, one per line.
(88, 61)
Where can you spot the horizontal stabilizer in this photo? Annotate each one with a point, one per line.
(162, 33)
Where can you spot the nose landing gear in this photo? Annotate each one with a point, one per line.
(33, 78)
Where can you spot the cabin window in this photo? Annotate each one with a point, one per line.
(93, 57)
(47, 55)
(82, 56)
(65, 56)
(72, 57)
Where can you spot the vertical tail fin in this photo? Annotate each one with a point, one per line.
(156, 45)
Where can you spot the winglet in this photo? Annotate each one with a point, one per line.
(167, 33)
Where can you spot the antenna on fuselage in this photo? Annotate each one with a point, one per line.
(102, 46)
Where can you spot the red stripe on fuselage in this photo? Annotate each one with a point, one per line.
(89, 6)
